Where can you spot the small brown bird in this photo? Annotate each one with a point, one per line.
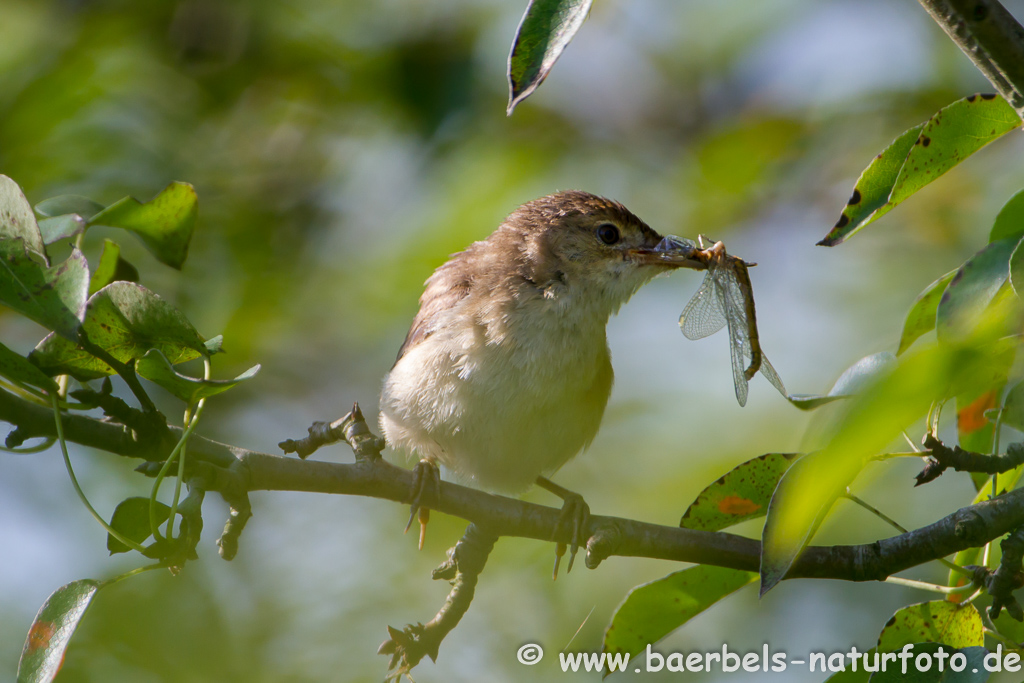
(505, 373)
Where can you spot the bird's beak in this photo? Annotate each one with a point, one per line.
(671, 252)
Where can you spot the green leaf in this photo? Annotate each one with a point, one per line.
(155, 367)
(16, 218)
(17, 367)
(215, 344)
(1016, 269)
(67, 204)
(870, 197)
(53, 297)
(1009, 627)
(653, 610)
(61, 227)
(111, 268)
(126, 320)
(164, 223)
(853, 379)
(930, 623)
(974, 430)
(1013, 407)
(974, 286)
(52, 629)
(1010, 221)
(973, 671)
(742, 493)
(954, 133)
(921, 317)
(873, 419)
(546, 28)
(131, 520)
(978, 397)
(933, 622)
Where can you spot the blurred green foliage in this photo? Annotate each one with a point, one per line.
(341, 150)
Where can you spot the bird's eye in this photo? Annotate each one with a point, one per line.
(608, 233)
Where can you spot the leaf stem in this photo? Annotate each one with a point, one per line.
(996, 635)
(190, 421)
(891, 522)
(78, 489)
(39, 448)
(925, 586)
(127, 574)
(913, 446)
(875, 511)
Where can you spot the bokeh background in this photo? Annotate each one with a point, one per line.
(341, 150)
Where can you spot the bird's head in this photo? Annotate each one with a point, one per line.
(584, 241)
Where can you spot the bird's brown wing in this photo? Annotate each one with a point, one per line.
(449, 285)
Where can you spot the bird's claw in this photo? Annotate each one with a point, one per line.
(426, 486)
(574, 519)
(559, 553)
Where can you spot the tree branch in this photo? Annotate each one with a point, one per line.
(989, 35)
(233, 471)
(416, 641)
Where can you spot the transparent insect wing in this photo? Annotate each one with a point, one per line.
(739, 338)
(704, 315)
(739, 379)
(735, 301)
(768, 371)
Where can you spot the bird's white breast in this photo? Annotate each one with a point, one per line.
(503, 390)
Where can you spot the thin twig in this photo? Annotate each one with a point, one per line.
(465, 562)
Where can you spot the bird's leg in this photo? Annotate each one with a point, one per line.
(575, 515)
(426, 486)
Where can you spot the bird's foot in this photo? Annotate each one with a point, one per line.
(574, 520)
(426, 486)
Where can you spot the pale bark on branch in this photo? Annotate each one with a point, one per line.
(234, 471)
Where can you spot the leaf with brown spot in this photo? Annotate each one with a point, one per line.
(16, 218)
(53, 296)
(974, 429)
(970, 417)
(742, 493)
(873, 188)
(737, 505)
(164, 224)
(653, 610)
(546, 28)
(922, 154)
(51, 631)
(959, 130)
(937, 621)
(126, 320)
